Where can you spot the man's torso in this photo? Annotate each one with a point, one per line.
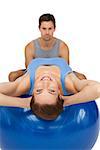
(43, 51)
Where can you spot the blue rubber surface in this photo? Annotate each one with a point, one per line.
(76, 128)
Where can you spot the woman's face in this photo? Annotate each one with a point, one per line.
(46, 89)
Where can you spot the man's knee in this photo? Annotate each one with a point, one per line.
(15, 74)
(80, 75)
(11, 76)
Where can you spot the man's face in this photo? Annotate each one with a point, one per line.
(47, 30)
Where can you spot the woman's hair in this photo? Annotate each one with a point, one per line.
(47, 17)
(47, 111)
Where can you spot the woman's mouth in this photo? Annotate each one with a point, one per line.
(46, 78)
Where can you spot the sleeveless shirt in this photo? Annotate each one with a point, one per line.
(37, 62)
(41, 53)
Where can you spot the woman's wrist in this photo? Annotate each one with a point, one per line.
(26, 102)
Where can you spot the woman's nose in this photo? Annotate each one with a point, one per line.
(46, 83)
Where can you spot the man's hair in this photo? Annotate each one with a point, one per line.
(47, 111)
(47, 17)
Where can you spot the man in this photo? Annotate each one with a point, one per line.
(45, 46)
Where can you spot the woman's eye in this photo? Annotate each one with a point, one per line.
(52, 90)
(38, 90)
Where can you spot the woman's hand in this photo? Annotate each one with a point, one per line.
(64, 97)
(26, 102)
(66, 100)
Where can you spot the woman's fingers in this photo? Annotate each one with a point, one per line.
(63, 97)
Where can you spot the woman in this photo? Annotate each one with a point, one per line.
(46, 80)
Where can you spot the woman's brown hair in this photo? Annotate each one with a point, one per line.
(47, 111)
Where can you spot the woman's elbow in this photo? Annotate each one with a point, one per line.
(98, 90)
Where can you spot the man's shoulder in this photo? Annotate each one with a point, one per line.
(63, 48)
(63, 44)
(31, 45)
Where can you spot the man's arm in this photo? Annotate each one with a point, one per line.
(29, 53)
(64, 51)
(84, 90)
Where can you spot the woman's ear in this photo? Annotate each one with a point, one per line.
(59, 92)
(60, 96)
(61, 101)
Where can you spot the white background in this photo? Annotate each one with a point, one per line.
(78, 24)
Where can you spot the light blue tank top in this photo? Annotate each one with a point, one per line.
(60, 62)
(53, 52)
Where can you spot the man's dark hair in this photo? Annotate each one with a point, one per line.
(47, 111)
(47, 17)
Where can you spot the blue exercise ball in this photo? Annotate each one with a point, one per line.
(76, 128)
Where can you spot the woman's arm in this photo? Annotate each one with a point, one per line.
(9, 90)
(14, 101)
(18, 87)
(84, 90)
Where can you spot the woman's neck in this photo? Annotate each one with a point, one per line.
(54, 70)
(50, 71)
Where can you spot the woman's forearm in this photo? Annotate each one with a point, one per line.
(89, 93)
(14, 101)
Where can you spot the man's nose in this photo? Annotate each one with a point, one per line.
(47, 31)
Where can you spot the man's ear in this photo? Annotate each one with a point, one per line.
(54, 29)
